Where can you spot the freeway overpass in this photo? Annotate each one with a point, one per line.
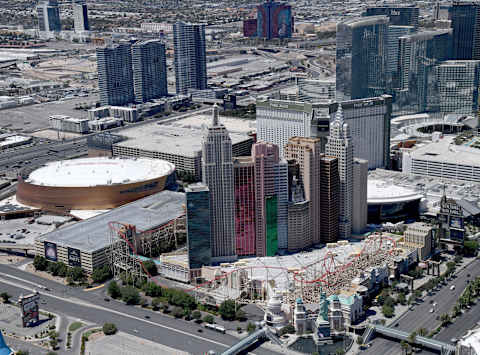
(13, 246)
(429, 343)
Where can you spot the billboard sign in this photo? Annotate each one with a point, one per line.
(50, 251)
(74, 257)
(29, 307)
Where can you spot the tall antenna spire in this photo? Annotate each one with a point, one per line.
(215, 115)
(339, 116)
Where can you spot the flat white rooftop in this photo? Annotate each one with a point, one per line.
(446, 151)
(182, 137)
(99, 171)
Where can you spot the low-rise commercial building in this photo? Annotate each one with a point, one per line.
(420, 236)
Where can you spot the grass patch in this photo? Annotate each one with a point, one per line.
(74, 326)
(92, 331)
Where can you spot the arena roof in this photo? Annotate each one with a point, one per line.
(99, 171)
(380, 192)
(93, 234)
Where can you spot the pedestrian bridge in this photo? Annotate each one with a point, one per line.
(246, 342)
(443, 348)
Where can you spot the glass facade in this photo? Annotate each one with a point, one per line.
(466, 30)
(418, 55)
(198, 226)
(398, 16)
(361, 58)
(393, 212)
(271, 225)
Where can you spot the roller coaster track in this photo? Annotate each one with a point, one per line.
(328, 272)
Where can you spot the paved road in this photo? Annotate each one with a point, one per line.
(420, 317)
(91, 307)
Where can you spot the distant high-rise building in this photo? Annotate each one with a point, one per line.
(360, 206)
(80, 16)
(189, 57)
(149, 70)
(274, 20)
(465, 18)
(361, 58)
(115, 76)
(418, 55)
(369, 124)
(329, 199)
(394, 33)
(250, 27)
(457, 86)
(49, 16)
(271, 199)
(340, 145)
(244, 182)
(307, 153)
(217, 169)
(280, 120)
(398, 15)
(198, 225)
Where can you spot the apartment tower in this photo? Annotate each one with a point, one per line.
(149, 70)
(189, 57)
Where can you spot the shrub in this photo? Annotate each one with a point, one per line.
(208, 319)
(150, 267)
(109, 329)
(114, 290)
(197, 316)
(251, 327)
(130, 295)
(102, 274)
(177, 312)
(227, 310)
(40, 263)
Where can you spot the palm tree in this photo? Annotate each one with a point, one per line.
(422, 332)
(412, 337)
(445, 319)
(404, 346)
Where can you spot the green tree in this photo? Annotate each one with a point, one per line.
(445, 319)
(387, 311)
(339, 351)
(101, 274)
(76, 273)
(40, 263)
(401, 298)
(109, 329)
(150, 267)
(251, 327)
(53, 343)
(470, 247)
(155, 303)
(5, 297)
(404, 346)
(240, 315)
(227, 310)
(412, 337)
(422, 332)
(23, 352)
(114, 290)
(197, 316)
(51, 353)
(360, 340)
(208, 319)
(130, 295)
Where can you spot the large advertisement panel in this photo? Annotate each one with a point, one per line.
(74, 257)
(50, 251)
(29, 307)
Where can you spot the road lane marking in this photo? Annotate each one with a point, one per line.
(118, 313)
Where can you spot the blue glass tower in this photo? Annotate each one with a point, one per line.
(361, 58)
(466, 30)
(198, 226)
